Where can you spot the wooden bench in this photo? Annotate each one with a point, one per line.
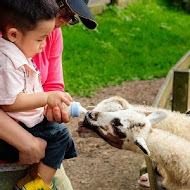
(10, 174)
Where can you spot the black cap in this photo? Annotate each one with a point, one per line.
(81, 9)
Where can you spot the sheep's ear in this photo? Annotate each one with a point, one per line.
(140, 142)
(157, 117)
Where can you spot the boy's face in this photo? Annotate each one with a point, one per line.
(32, 42)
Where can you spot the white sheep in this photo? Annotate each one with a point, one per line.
(176, 123)
(132, 129)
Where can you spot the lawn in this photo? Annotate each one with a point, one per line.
(141, 41)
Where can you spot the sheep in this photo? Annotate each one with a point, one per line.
(146, 130)
(176, 123)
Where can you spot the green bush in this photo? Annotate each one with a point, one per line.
(181, 4)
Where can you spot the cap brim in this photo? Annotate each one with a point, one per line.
(81, 9)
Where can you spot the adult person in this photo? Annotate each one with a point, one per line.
(32, 149)
(20, 41)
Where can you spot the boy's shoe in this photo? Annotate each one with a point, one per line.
(37, 184)
(54, 181)
(26, 179)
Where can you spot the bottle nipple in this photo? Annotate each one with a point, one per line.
(77, 109)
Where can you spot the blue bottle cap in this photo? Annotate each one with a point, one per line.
(75, 109)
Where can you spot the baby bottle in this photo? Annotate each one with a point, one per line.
(75, 109)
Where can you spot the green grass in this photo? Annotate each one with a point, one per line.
(142, 41)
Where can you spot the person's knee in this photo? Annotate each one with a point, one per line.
(63, 134)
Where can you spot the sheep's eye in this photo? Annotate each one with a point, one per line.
(116, 123)
(141, 125)
(93, 115)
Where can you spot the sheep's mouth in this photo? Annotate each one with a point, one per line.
(85, 128)
(88, 124)
(82, 129)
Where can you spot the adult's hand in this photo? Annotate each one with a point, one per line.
(31, 149)
(33, 152)
(55, 114)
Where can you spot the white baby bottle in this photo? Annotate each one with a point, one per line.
(75, 109)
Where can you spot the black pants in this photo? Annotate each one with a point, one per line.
(60, 145)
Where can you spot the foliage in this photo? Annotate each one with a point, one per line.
(142, 41)
(181, 4)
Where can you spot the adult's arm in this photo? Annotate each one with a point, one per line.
(31, 149)
(49, 62)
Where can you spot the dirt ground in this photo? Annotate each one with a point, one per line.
(98, 165)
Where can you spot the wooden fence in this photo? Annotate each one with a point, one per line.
(173, 94)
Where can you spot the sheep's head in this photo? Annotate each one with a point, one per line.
(125, 129)
(111, 104)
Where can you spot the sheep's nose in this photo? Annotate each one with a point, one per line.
(89, 114)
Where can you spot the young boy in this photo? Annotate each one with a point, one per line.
(25, 26)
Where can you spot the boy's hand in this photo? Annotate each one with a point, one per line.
(57, 98)
(55, 114)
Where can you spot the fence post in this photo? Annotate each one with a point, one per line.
(151, 173)
(181, 90)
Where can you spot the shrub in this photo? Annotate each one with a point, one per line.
(181, 4)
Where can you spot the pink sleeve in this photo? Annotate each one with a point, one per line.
(49, 62)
